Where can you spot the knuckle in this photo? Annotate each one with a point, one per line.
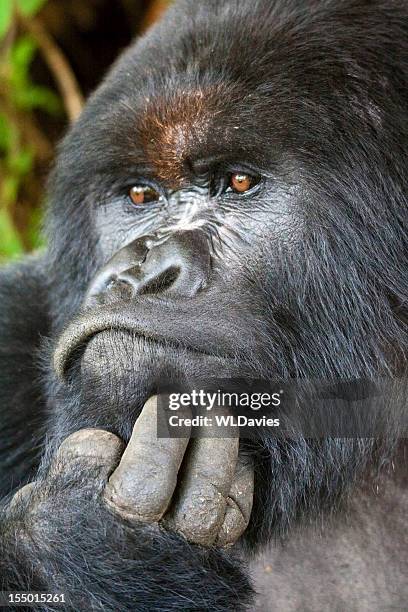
(141, 500)
(92, 444)
(22, 496)
(198, 516)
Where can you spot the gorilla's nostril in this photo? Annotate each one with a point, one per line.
(179, 265)
(161, 282)
(115, 288)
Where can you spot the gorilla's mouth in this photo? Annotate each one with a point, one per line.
(170, 329)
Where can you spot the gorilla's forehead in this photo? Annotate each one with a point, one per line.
(181, 127)
(188, 93)
(251, 81)
(177, 129)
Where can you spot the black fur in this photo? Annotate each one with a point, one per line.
(314, 95)
(100, 562)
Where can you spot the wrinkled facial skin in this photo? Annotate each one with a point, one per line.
(209, 320)
(218, 230)
(302, 275)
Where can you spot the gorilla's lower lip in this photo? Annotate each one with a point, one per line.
(142, 320)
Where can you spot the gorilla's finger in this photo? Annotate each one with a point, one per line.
(95, 447)
(142, 485)
(22, 495)
(239, 504)
(199, 508)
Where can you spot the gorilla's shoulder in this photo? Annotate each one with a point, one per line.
(24, 322)
(23, 302)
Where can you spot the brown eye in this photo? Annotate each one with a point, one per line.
(142, 194)
(240, 183)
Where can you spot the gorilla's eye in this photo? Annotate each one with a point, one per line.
(241, 182)
(142, 194)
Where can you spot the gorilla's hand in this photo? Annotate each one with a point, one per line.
(92, 525)
(205, 493)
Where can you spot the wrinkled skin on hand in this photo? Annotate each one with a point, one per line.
(199, 488)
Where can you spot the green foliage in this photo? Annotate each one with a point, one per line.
(5, 134)
(28, 8)
(34, 229)
(6, 16)
(25, 94)
(10, 244)
(15, 164)
(19, 97)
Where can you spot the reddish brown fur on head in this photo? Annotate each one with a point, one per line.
(172, 128)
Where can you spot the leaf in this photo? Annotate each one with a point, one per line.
(21, 163)
(30, 7)
(24, 93)
(21, 57)
(34, 233)
(5, 134)
(10, 243)
(6, 15)
(9, 190)
(36, 96)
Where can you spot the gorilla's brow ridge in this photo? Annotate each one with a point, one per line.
(173, 127)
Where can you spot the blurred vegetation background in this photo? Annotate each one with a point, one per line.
(52, 54)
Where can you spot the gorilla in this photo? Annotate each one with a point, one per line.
(232, 202)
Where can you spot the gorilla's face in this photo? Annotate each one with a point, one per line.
(186, 219)
(217, 212)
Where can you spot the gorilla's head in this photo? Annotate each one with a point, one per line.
(232, 201)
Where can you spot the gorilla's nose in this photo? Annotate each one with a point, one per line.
(179, 266)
